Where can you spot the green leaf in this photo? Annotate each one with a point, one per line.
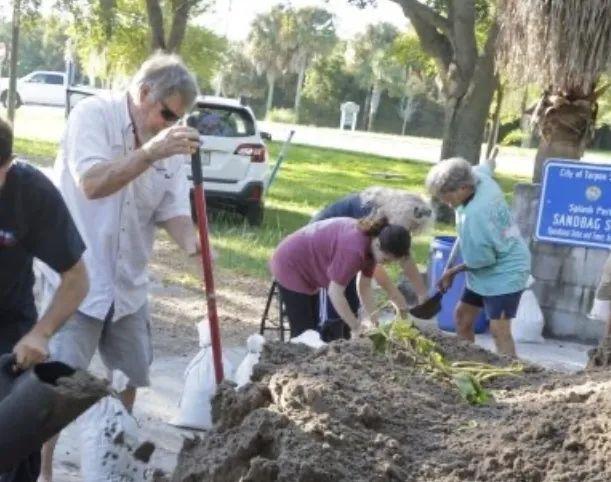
(380, 341)
(471, 390)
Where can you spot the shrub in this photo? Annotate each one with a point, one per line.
(285, 116)
(513, 138)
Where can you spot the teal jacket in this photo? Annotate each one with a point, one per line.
(496, 255)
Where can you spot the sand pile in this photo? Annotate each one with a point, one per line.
(345, 413)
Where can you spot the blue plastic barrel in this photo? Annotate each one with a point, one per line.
(438, 257)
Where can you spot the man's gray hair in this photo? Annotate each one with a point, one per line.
(166, 75)
(449, 175)
(400, 207)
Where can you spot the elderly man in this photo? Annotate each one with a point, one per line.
(601, 356)
(34, 222)
(120, 169)
(496, 257)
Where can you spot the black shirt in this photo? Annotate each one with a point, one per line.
(349, 206)
(34, 222)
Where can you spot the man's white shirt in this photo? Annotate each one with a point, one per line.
(119, 229)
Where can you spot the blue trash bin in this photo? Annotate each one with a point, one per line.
(438, 257)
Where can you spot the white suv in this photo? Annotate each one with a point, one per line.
(234, 157)
(38, 87)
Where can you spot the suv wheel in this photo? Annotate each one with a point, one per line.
(254, 214)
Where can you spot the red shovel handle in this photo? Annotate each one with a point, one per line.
(202, 225)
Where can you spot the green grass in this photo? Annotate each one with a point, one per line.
(309, 179)
(40, 152)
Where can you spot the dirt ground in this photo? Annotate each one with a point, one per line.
(177, 306)
(343, 413)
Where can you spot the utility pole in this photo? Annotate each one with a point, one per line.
(12, 83)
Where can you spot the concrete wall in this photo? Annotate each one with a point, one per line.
(565, 277)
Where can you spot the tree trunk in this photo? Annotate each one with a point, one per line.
(376, 94)
(179, 26)
(300, 77)
(467, 75)
(404, 103)
(493, 135)
(465, 116)
(271, 81)
(155, 15)
(565, 126)
(107, 8)
(366, 108)
(12, 84)
(525, 121)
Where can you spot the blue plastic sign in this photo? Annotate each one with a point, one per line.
(575, 207)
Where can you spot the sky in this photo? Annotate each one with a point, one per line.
(233, 17)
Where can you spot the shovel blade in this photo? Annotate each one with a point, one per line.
(428, 308)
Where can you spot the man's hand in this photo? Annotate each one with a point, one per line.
(177, 139)
(33, 348)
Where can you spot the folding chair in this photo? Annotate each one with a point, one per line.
(267, 323)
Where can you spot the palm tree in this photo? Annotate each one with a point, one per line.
(312, 33)
(419, 72)
(376, 68)
(269, 47)
(565, 46)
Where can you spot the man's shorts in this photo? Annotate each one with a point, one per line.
(604, 287)
(496, 307)
(124, 344)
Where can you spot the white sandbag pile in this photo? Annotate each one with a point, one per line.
(200, 385)
(111, 449)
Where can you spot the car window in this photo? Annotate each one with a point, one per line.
(54, 79)
(225, 122)
(38, 78)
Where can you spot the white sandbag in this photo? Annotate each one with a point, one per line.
(195, 410)
(600, 310)
(244, 372)
(527, 326)
(310, 338)
(109, 439)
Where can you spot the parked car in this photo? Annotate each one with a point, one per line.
(38, 87)
(233, 156)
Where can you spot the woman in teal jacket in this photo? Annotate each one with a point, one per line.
(496, 257)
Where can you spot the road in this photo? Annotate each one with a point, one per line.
(47, 123)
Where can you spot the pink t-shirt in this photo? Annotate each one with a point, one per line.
(330, 250)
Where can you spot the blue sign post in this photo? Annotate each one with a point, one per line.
(575, 207)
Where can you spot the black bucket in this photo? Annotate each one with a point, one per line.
(39, 403)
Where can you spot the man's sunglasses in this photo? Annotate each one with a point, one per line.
(168, 114)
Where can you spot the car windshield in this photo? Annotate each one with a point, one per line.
(225, 122)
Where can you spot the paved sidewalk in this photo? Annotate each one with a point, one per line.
(510, 160)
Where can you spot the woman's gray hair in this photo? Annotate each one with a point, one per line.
(449, 175)
(400, 207)
(166, 75)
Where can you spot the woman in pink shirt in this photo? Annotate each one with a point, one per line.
(328, 254)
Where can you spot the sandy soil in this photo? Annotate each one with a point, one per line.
(177, 306)
(343, 413)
